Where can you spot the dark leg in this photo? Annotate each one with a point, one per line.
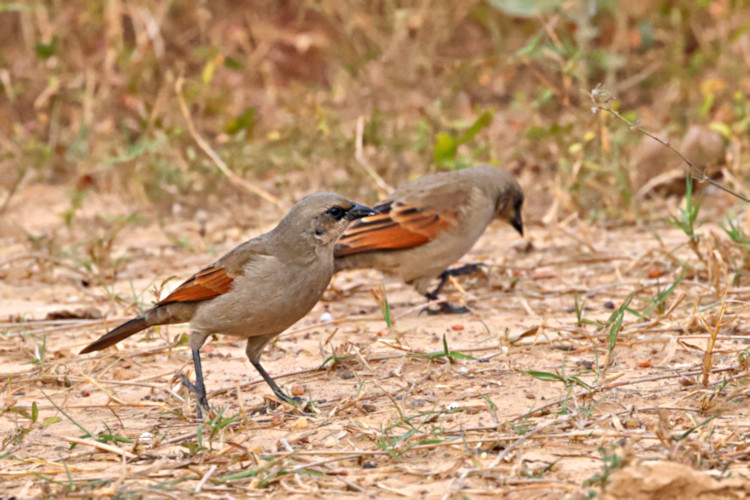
(446, 308)
(198, 389)
(433, 295)
(459, 271)
(275, 388)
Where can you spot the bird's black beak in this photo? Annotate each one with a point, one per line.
(517, 222)
(358, 211)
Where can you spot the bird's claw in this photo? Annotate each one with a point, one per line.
(200, 395)
(445, 308)
(296, 402)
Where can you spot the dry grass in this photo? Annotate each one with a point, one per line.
(140, 140)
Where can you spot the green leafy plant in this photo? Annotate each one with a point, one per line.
(445, 148)
(446, 353)
(659, 303)
(742, 241)
(685, 434)
(34, 423)
(385, 308)
(611, 462)
(687, 221)
(102, 438)
(580, 308)
(567, 380)
(615, 323)
(219, 423)
(397, 445)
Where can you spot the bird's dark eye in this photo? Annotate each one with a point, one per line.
(336, 212)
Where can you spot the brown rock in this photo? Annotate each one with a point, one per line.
(662, 480)
(657, 169)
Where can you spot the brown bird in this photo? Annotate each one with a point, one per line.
(257, 290)
(426, 225)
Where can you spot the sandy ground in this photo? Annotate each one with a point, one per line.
(529, 404)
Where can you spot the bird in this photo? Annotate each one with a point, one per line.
(427, 224)
(257, 290)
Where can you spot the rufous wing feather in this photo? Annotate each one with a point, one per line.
(206, 284)
(397, 227)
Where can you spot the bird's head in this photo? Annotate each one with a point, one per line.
(323, 217)
(510, 203)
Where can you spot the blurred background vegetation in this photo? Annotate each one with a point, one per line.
(283, 91)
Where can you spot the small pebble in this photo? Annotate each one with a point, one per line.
(654, 273)
(326, 317)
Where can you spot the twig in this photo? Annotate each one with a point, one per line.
(711, 340)
(359, 155)
(206, 147)
(518, 442)
(205, 478)
(618, 384)
(325, 461)
(458, 484)
(601, 99)
(102, 446)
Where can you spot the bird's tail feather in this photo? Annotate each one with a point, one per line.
(120, 333)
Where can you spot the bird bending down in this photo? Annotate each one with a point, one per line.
(257, 290)
(426, 225)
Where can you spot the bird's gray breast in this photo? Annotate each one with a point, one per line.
(269, 297)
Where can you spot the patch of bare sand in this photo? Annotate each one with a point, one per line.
(393, 417)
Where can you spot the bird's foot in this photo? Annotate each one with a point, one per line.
(294, 401)
(199, 394)
(445, 308)
(272, 404)
(445, 275)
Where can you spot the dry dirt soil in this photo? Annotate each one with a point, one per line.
(533, 399)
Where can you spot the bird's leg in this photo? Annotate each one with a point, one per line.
(458, 271)
(445, 307)
(464, 270)
(433, 295)
(199, 389)
(274, 387)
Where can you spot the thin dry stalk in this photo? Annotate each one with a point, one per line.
(607, 387)
(206, 147)
(707, 359)
(205, 478)
(102, 446)
(383, 187)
